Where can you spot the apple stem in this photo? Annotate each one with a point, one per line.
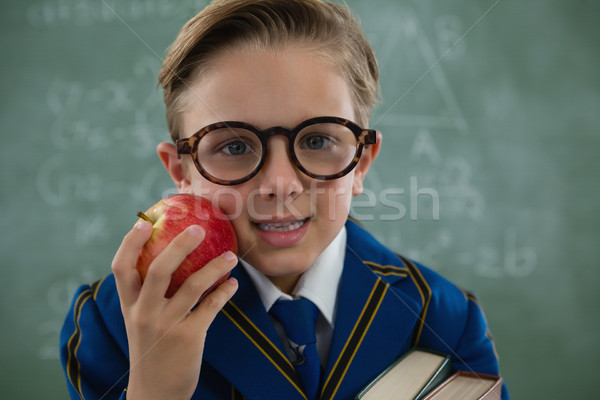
(144, 217)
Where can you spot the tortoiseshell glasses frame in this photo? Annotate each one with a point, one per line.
(362, 137)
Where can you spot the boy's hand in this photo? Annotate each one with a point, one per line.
(166, 339)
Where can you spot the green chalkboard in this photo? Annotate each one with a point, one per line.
(488, 173)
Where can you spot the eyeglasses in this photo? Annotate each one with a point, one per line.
(232, 152)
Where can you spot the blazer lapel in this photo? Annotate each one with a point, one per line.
(373, 324)
(244, 347)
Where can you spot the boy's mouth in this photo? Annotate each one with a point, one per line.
(282, 233)
(281, 226)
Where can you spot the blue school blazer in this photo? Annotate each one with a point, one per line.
(386, 305)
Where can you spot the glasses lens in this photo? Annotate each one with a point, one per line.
(325, 149)
(229, 153)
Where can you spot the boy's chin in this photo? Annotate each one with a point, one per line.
(286, 282)
(282, 267)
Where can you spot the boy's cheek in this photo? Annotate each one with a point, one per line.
(229, 200)
(202, 187)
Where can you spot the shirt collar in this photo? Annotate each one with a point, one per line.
(319, 283)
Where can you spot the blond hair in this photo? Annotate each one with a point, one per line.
(328, 28)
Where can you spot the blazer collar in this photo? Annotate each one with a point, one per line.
(374, 321)
(244, 347)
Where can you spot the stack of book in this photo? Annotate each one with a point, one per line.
(426, 375)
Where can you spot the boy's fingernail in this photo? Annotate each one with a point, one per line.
(141, 224)
(229, 256)
(195, 230)
(232, 281)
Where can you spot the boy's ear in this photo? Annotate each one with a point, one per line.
(174, 166)
(368, 156)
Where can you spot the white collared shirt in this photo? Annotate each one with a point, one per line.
(318, 284)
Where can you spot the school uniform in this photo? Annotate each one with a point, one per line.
(385, 305)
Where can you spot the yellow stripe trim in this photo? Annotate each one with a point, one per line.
(83, 297)
(416, 283)
(387, 269)
(424, 298)
(97, 288)
(260, 348)
(361, 338)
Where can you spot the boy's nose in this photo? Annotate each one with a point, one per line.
(279, 176)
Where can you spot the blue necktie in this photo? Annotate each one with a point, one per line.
(298, 318)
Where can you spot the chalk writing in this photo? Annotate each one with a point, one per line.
(449, 29)
(59, 184)
(51, 13)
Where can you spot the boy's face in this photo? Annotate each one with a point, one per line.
(283, 218)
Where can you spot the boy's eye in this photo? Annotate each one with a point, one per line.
(227, 143)
(316, 142)
(235, 148)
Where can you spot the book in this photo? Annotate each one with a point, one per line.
(410, 377)
(464, 385)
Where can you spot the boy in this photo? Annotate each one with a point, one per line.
(266, 102)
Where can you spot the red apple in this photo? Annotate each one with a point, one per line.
(170, 217)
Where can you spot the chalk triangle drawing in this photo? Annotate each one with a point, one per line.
(416, 89)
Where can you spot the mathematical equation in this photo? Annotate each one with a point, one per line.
(425, 110)
(509, 257)
(50, 13)
(93, 126)
(456, 203)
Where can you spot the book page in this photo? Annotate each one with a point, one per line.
(405, 380)
(464, 388)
